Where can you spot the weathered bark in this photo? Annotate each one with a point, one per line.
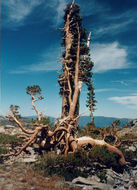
(76, 82)
(13, 118)
(87, 140)
(37, 112)
(68, 43)
(64, 103)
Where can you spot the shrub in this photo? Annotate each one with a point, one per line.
(8, 139)
(129, 136)
(102, 175)
(66, 166)
(3, 150)
(77, 164)
(129, 154)
(103, 156)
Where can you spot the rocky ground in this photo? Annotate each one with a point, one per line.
(115, 181)
(22, 177)
(17, 174)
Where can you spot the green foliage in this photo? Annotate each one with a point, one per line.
(102, 175)
(89, 127)
(8, 139)
(81, 132)
(44, 120)
(14, 109)
(91, 131)
(129, 136)
(102, 155)
(66, 166)
(3, 150)
(33, 90)
(91, 102)
(78, 163)
(129, 154)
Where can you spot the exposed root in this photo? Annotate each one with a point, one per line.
(87, 140)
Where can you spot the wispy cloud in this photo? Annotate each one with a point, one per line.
(60, 10)
(46, 63)
(116, 23)
(105, 57)
(113, 28)
(122, 82)
(40, 67)
(53, 11)
(16, 11)
(115, 90)
(125, 82)
(129, 101)
(102, 90)
(108, 57)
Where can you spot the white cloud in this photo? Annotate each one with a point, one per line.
(130, 101)
(108, 56)
(17, 10)
(103, 90)
(60, 10)
(113, 28)
(45, 66)
(125, 82)
(54, 11)
(127, 90)
(105, 57)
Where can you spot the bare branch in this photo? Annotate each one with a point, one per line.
(19, 124)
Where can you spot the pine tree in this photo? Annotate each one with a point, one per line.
(34, 91)
(91, 102)
(76, 63)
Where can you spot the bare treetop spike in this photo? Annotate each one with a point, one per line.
(72, 3)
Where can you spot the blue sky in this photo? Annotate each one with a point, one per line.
(31, 52)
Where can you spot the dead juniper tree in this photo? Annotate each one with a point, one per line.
(76, 63)
(76, 71)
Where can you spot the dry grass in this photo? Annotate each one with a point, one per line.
(22, 177)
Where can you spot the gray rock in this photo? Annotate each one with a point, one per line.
(27, 160)
(94, 178)
(126, 186)
(2, 179)
(132, 148)
(10, 130)
(9, 186)
(110, 180)
(121, 188)
(135, 121)
(91, 184)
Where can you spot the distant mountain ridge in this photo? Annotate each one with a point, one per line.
(100, 121)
